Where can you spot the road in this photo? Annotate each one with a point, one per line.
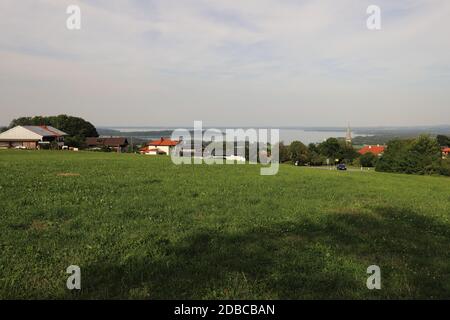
(330, 168)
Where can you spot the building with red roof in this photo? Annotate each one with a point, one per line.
(119, 144)
(160, 146)
(31, 137)
(150, 151)
(376, 150)
(445, 152)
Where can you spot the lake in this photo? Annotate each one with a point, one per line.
(287, 135)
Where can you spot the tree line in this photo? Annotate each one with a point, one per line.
(330, 151)
(421, 155)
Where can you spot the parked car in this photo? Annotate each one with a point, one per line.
(341, 166)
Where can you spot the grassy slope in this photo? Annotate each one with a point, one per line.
(141, 227)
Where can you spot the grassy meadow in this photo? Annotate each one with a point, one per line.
(141, 227)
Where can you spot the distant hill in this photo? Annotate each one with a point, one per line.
(384, 135)
(114, 132)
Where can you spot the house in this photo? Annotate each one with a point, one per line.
(376, 150)
(445, 152)
(150, 151)
(160, 146)
(31, 137)
(118, 144)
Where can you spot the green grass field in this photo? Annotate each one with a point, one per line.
(141, 227)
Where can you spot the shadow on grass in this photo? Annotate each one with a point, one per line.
(303, 259)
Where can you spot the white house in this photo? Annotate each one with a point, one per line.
(31, 137)
(160, 146)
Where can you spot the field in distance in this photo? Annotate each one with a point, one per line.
(142, 227)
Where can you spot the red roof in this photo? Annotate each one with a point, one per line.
(46, 131)
(108, 142)
(163, 142)
(49, 130)
(376, 150)
(446, 150)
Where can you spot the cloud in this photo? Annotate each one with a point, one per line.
(252, 62)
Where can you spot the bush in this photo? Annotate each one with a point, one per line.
(330, 149)
(75, 141)
(417, 156)
(298, 153)
(334, 149)
(445, 168)
(317, 159)
(368, 160)
(443, 141)
(283, 152)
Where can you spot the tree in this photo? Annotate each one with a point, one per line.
(349, 154)
(330, 149)
(445, 167)
(368, 159)
(418, 156)
(314, 156)
(427, 154)
(77, 128)
(316, 159)
(393, 156)
(334, 149)
(312, 147)
(443, 141)
(298, 152)
(283, 152)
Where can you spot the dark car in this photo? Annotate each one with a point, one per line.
(341, 166)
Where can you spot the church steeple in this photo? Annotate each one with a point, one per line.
(348, 137)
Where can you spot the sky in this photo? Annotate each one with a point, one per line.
(227, 63)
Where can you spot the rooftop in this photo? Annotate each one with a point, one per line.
(108, 142)
(46, 131)
(163, 142)
(373, 149)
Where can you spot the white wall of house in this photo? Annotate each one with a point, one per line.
(19, 133)
(165, 149)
